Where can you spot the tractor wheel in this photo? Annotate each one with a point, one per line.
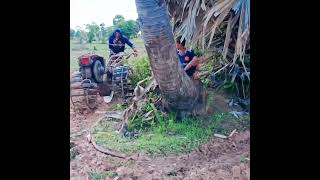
(81, 98)
(98, 71)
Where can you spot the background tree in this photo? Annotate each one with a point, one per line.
(83, 36)
(102, 33)
(129, 28)
(72, 33)
(117, 19)
(80, 35)
(93, 30)
(109, 31)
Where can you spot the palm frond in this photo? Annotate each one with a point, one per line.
(217, 26)
(201, 18)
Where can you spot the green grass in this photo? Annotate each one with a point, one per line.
(225, 123)
(118, 107)
(141, 69)
(103, 175)
(168, 136)
(77, 50)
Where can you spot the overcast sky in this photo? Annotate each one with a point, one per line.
(87, 11)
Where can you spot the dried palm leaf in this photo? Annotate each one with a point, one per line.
(220, 19)
(216, 25)
(240, 29)
(231, 23)
(217, 6)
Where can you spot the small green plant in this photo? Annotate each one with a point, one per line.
(141, 123)
(118, 107)
(73, 151)
(229, 87)
(103, 175)
(243, 159)
(197, 51)
(207, 82)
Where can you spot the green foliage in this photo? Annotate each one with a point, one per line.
(103, 29)
(118, 107)
(168, 136)
(73, 151)
(77, 34)
(93, 29)
(118, 18)
(172, 137)
(101, 33)
(197, 51)
(223, 80)
(80, 35)
(102, 175)
(129, 28)
(141, 69)
(72, 33)
(83, 37)
(162, 138)
(140, 123)
(109, 31)
(230, 87)
(208, 67)
(103, 40)
(225, 123)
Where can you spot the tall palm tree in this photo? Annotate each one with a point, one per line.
(178, 90)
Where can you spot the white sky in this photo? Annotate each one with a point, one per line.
(98, 11)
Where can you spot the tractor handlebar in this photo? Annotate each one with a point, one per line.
(117, 45)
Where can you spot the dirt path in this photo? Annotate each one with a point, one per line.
(218, 159)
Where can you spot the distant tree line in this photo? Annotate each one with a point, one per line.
(100, 33)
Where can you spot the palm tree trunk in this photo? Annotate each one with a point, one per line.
(178, 90)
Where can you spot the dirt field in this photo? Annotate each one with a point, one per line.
(218, 159)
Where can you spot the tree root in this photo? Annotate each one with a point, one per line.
(106, 151)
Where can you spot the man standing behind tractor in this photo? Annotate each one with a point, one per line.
(117, 42)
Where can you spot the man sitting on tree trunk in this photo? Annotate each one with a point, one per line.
(188, 59)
